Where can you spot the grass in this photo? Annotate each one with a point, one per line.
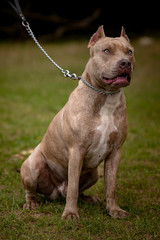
(31, 93)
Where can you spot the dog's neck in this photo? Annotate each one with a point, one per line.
(93, 101)
(98, 90)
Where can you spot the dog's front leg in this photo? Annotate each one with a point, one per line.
(74, 170)
(111, 167)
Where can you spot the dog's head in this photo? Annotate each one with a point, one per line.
(112, 59)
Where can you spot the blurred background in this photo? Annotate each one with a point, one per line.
(54, 20)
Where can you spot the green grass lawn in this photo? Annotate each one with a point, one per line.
(31, 93)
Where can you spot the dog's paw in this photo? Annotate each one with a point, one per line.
(118, 213)
(70, 214)
(30, 205)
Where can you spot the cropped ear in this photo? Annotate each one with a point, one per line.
(123, 34)
(96, 36)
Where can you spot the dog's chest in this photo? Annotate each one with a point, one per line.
(105, 133)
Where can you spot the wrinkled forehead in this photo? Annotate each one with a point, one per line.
(119, 43)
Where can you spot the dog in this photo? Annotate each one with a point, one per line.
(89, 129)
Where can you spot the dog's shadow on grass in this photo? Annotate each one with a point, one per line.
(56, 207)
(61, 201)
(44, 200)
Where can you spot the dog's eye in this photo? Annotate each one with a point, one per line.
(130, 52)
(106, 50)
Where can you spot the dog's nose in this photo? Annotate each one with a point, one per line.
(124, 63)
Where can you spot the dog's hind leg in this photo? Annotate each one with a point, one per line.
(30, 186)
(36, 178)
(30, 171)
(31, 202)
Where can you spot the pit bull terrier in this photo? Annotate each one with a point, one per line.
(90, 128)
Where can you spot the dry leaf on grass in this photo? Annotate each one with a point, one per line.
(23, 154)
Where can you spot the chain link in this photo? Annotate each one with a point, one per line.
(66, 73)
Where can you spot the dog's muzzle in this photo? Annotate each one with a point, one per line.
(122, 74)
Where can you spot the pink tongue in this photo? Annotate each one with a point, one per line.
(116, 80)
(121, 79)
(109, 81)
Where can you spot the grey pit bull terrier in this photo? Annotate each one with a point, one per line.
(90, 128)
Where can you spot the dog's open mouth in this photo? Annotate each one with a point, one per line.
(121, 80)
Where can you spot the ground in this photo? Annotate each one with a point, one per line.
(32, 91)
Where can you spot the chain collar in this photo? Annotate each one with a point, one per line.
(96, 89)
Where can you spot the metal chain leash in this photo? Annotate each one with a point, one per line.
(26, 25)
(66, 73)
